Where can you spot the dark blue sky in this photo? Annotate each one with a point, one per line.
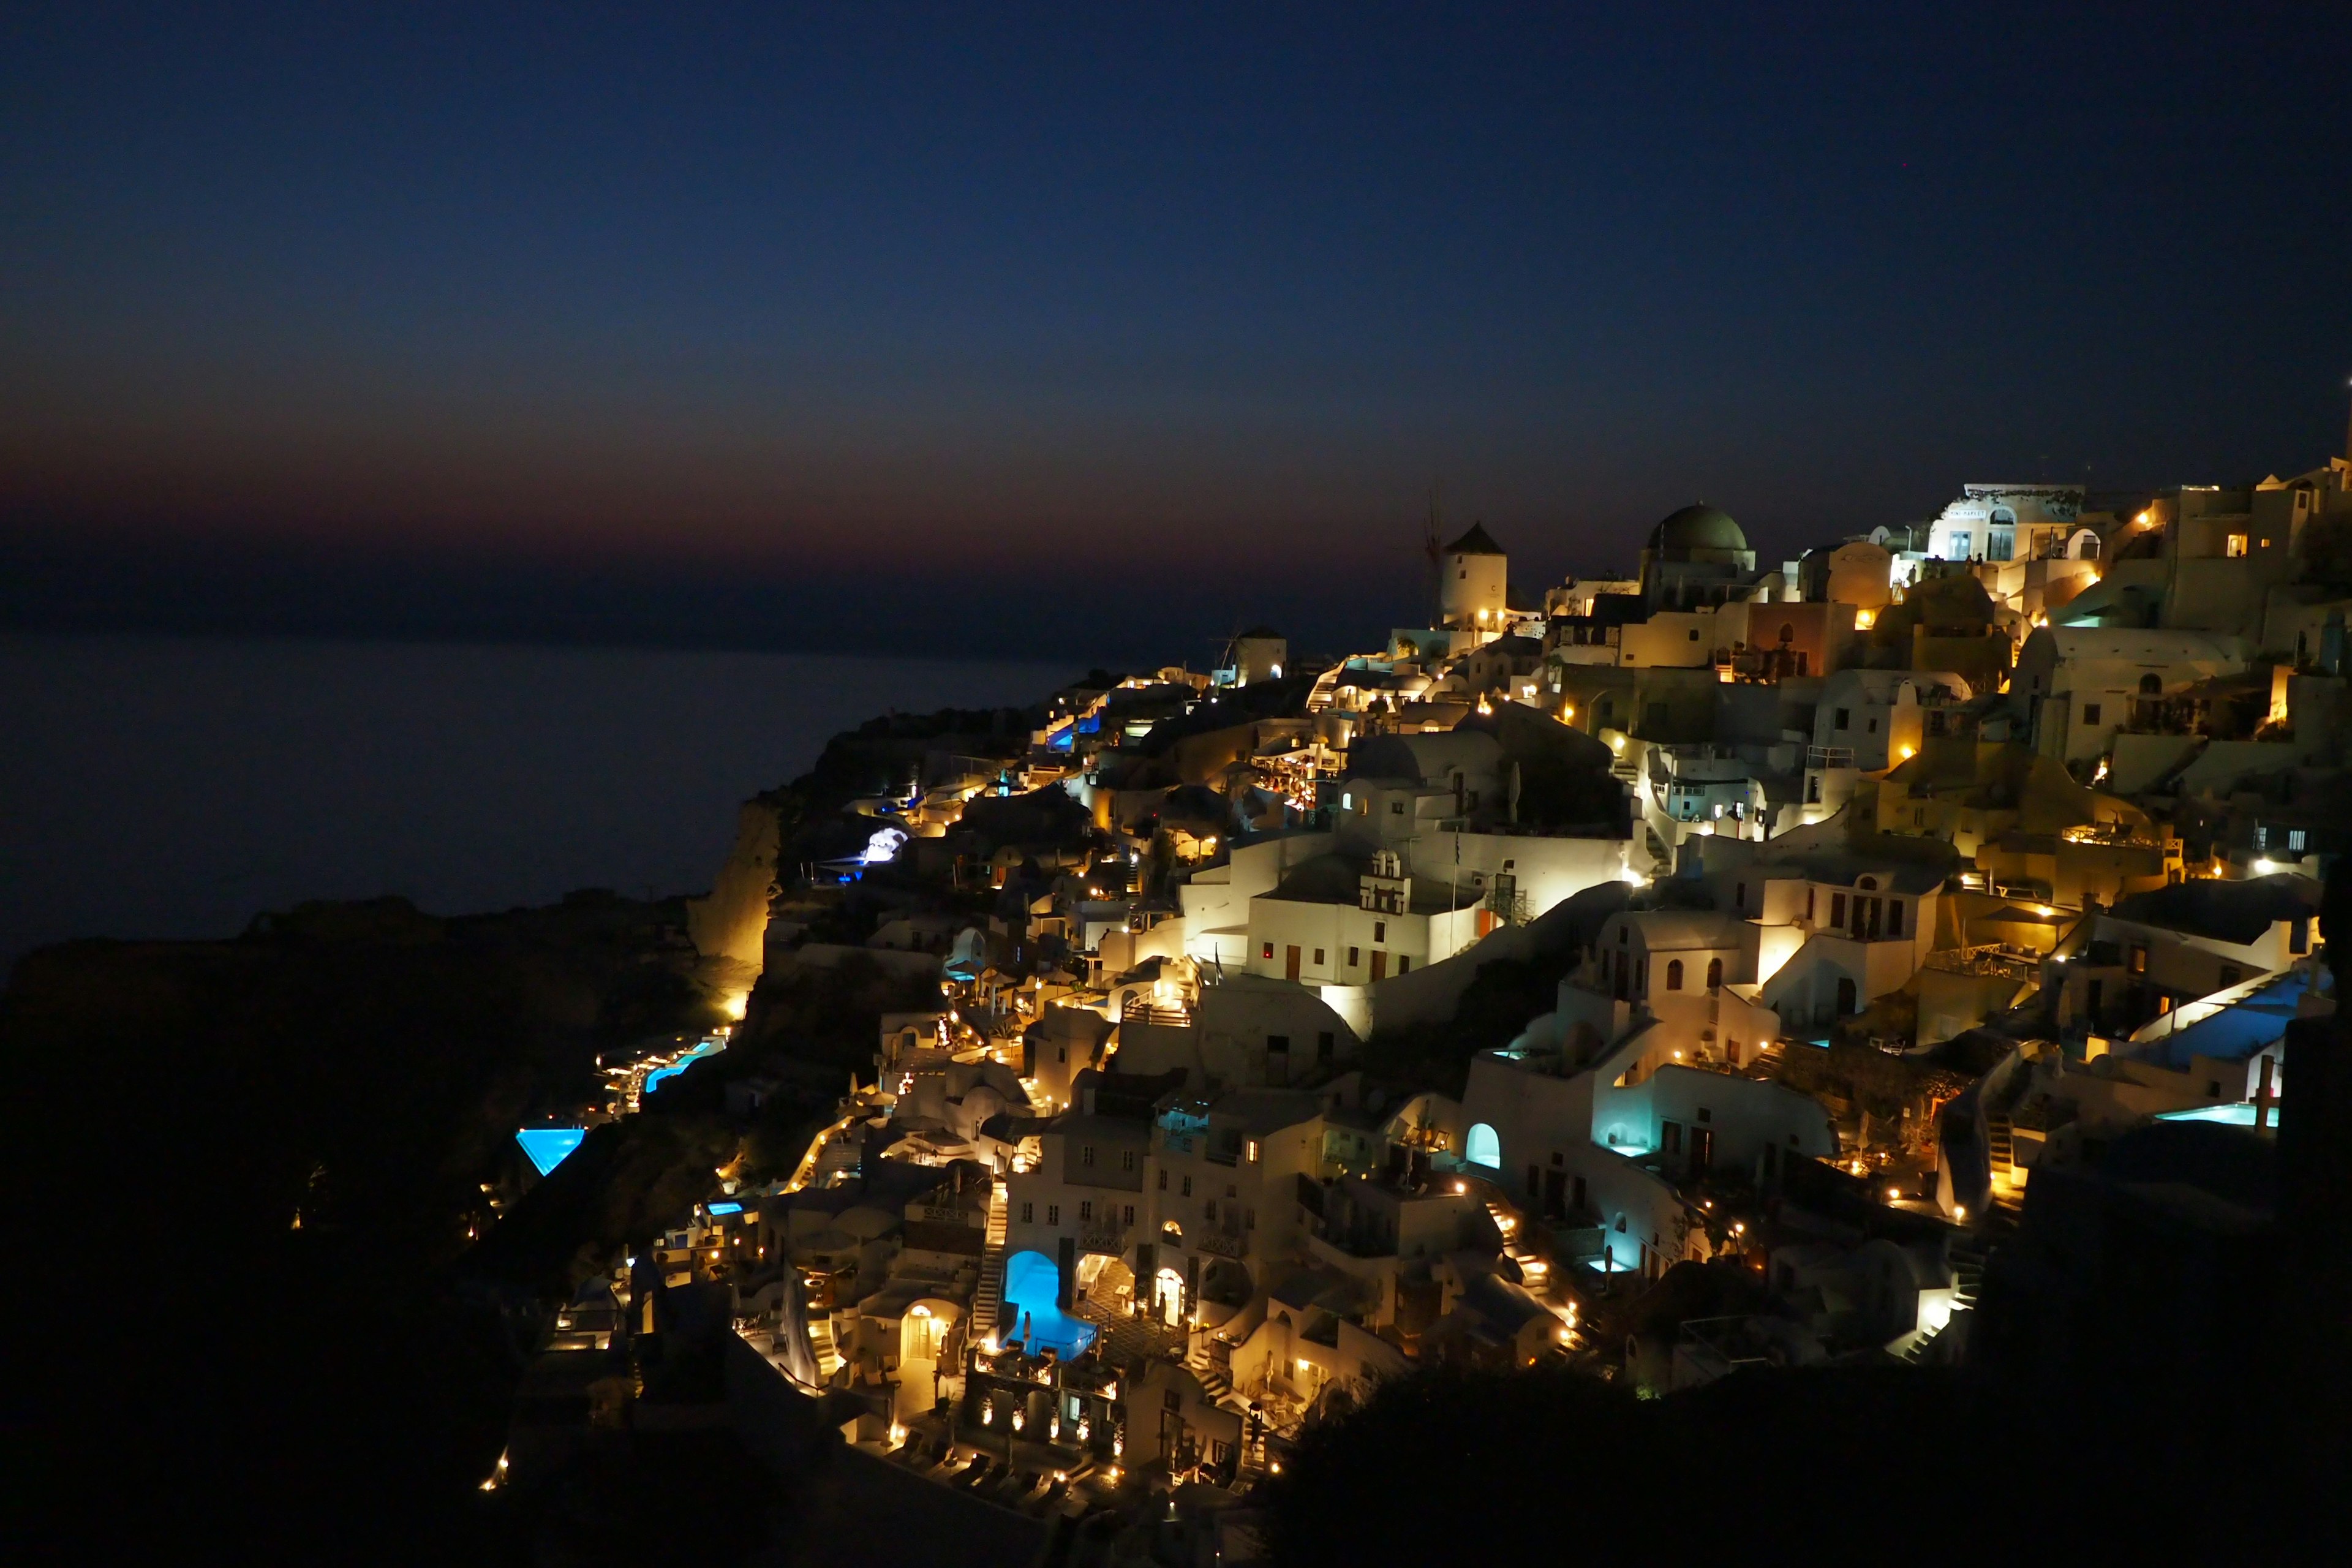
(587, 325)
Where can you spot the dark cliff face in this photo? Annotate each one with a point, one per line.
(175, 1105)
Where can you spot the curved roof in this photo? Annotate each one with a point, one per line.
(1700, 527)
(1477, 542)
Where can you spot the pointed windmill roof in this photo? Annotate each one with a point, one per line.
(1477, 542)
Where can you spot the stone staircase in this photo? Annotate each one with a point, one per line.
(828, 1355)
(1215, 1370)
(989, 1296)
(1519, 1245)
(1967, 1257)
(2008, 1192)
(1967, 1252)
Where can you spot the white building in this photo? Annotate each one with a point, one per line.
(2007, 522)
(1474, 583)
(2077, 686)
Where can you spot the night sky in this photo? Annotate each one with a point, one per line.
(1103, 329)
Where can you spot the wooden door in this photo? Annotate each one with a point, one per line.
(1380, 965)
(1290, 963)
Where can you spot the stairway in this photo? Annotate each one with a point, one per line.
(1518, 1239)
(1215, 1374)
(828, 1355)
(1967, 1260)
(989, 1296)
(2008, 1192)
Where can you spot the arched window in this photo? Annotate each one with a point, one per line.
(1714, 974)
(2152, 686)
(1788, 633)
(1868, 884)
(1674, 975)
(1482, 1147)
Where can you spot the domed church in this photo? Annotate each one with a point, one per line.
(1696, 555)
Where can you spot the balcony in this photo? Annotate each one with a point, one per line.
(1137, 1009)
(1829, 756)
(1105, 1237)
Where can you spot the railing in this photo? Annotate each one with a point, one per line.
(1829, 756)
(1136, 1010)
(1985, 959)
(1221, 1244)
(1100, 1237)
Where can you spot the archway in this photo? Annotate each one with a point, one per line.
(1845, 998)
(923, 1332)
(1483, 1147)
(1169, 1290)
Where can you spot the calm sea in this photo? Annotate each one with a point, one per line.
(164, 788)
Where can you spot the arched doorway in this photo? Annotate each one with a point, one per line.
(1845, 998)
(1483, 1147)
(1171, 1297)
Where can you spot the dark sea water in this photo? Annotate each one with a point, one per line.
(168, 787)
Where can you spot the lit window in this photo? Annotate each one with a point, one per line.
(2235, 546)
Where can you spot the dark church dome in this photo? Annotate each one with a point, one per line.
(1697, 528)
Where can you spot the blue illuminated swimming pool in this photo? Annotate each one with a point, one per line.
(1031, 1317)
(707, 1048)
(547, 1147)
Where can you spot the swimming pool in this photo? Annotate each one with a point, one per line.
(547, 1147)
(707, 1048)
(1031, 1284)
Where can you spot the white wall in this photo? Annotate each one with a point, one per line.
(1468, 584)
